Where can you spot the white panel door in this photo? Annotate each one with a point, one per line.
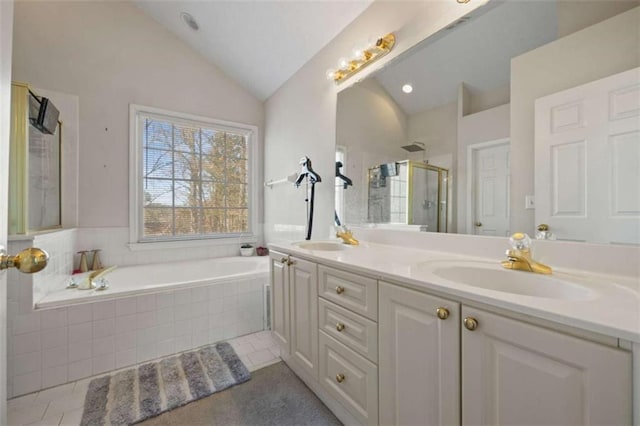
(491, 186)
(587, 161)
(419, 359)
(303, 291)
(280, 323)
(6, 31)
(514, 373)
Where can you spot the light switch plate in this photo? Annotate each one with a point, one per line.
(529, 202)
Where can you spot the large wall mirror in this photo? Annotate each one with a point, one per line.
(522, 113)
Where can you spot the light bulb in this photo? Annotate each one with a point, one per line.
(343, 63)
(358, 53)
(331, 74)
(407, 88)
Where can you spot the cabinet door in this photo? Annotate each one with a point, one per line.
(280, 301)
(419, 358)
(517, 373)
(303, 290)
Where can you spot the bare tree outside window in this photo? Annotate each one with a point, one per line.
(195, 180)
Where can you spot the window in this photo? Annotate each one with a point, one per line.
(191, 177)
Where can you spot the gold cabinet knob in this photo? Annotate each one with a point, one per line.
(470, 323)
(478, 224)
(28, 260)
(340, 378)
(283, 260)
(339, 289)
(543, 227)
(339, 326)
(290, 262)
(442, 313)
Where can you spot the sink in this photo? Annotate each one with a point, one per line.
(492, 277)
(322, 245)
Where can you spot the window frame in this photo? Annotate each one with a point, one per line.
(136, 196)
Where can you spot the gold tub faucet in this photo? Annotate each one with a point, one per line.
(519, 256)
(347, 236)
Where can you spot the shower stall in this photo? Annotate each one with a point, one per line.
(410, 193)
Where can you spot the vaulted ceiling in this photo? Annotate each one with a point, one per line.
(259, 44)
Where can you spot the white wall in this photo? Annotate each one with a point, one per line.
(301, 115)
(6, 25)
(373, 128)
(607, 48)
(436, 128)
(111, 54)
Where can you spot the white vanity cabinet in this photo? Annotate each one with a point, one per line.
(516, 373)
(294, 305)
(378, 352)
(419, 358)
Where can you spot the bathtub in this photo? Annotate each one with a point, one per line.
(134, 280)
(148, 312)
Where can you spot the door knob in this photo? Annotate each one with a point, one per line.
(478, 224)
(28, 260)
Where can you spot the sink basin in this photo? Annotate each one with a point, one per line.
(322, 245)
(492, 277)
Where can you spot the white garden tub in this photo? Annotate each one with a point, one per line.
(161, 277)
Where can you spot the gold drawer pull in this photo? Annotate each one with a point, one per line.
(339, 289)
(340, 378)
(283, 260)
(443, 313)
(339, 326)
(470, 323)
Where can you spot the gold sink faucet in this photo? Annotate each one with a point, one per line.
(519, 256)
(347, 236)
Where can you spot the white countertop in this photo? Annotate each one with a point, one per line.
(612, 309)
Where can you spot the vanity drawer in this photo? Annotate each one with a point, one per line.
(355, 331)
(350, 379)
(354, 292)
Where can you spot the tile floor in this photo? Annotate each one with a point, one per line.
(62, 405)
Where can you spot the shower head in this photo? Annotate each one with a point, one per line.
(414, 147)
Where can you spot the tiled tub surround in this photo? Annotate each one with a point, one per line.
(48, 347)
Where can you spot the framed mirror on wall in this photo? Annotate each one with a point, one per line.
(464, 101)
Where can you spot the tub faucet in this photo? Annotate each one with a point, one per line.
(347, 236)
(519, 256)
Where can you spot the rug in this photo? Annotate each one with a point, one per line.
(274, 396)
(132, 395)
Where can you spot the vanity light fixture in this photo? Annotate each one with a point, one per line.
(361, 58)
(407, 88)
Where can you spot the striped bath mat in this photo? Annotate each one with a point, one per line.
(136, 394)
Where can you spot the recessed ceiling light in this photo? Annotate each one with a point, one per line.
(407, 88)
(190, 21)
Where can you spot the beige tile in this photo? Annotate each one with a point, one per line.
(50, 394)
(71, 418)
(261, 357)
(21, 401)
(27, 414)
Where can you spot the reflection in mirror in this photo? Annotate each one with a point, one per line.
(461, 107)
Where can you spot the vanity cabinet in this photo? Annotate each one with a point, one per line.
(516, 373)
(419, 358)
(294, 291)
(349, 341)
(377, 352)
